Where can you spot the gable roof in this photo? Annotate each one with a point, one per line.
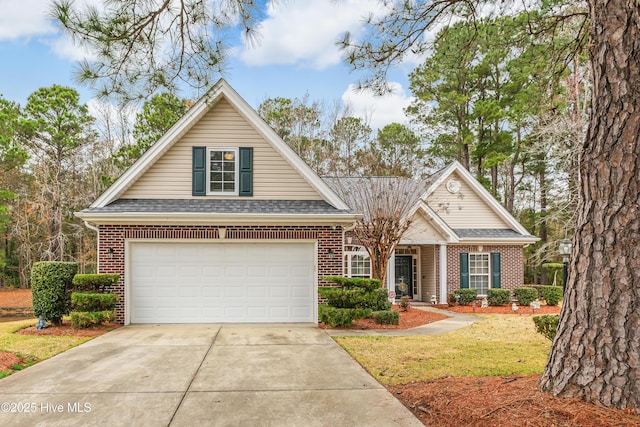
(438, 223)
(515, 234)
(220, 90)
(485, 196)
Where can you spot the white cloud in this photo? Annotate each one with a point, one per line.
(65, 47)
(24, 18)
(380, 110)
(305, 32)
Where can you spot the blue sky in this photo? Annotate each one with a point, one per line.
(297, 54)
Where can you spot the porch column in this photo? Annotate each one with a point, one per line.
(391, 272)
(443, 273)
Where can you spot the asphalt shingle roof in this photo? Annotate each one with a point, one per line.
(226, 206)
(489, 233)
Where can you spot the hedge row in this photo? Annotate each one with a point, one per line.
(552, 295)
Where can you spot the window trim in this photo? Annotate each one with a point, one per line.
(487, 275)
(236, 174)
(348, 258)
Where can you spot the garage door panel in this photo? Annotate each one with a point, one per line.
(221, 282)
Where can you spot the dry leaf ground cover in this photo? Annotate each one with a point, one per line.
(482, 375)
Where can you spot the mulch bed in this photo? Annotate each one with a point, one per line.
(67, 329)
(408, 319)
(511, 401)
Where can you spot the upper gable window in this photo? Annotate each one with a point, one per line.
(222, 171)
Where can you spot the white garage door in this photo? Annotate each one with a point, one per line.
(221, 282)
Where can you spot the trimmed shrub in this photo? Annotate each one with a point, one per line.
(552, 294)
(354, 282)
(324, 291)
(338, 280)
(341, 317)
(467, 296)
(547, 325)
(497, 297)
(538, 289)
(525, 296)
(357, 298)
(379, 300)
(386, 317)
(81, 301)
(84, 319)
(50, 288)
(94, 282)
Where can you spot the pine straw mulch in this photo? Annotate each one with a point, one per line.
(408, 319)
(513, 401)
(8, 360)
(15, 298)
(68, 329)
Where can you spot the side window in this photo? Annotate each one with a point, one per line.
(357, 262)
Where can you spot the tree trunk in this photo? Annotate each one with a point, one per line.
(596, 352)
(542, 176)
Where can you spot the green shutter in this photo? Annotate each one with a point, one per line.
(245, 187)
(199, 171)
(495, 270)
(464, 270)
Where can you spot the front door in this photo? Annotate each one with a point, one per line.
(404, 276)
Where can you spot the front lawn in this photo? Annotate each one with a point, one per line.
(499, 345)
(32, 348)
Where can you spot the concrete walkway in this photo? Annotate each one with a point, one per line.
(454, 322)
(201, 375)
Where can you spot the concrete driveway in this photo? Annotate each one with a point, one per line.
(213, 375)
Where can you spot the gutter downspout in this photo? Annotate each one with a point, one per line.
(91, 226)
(97, 230)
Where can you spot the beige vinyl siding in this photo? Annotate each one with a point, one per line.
(223, 127)
(464, 209)
(421, 229)
(428, 272)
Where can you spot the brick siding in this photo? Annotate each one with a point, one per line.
(511, 262)
(111, 244)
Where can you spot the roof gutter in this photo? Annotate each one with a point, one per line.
(139, 218)
(91, 226)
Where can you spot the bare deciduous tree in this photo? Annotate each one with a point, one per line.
(384, 203)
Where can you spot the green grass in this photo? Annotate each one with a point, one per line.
(33, 348)
(499, 345)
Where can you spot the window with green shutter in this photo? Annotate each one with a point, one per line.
(464, 270)
(199, 171)
(496, 270)
(222, 171)
(246, 172)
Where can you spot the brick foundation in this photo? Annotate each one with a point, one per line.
(112, 238)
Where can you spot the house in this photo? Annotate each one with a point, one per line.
(220, 221)
(458, 236)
